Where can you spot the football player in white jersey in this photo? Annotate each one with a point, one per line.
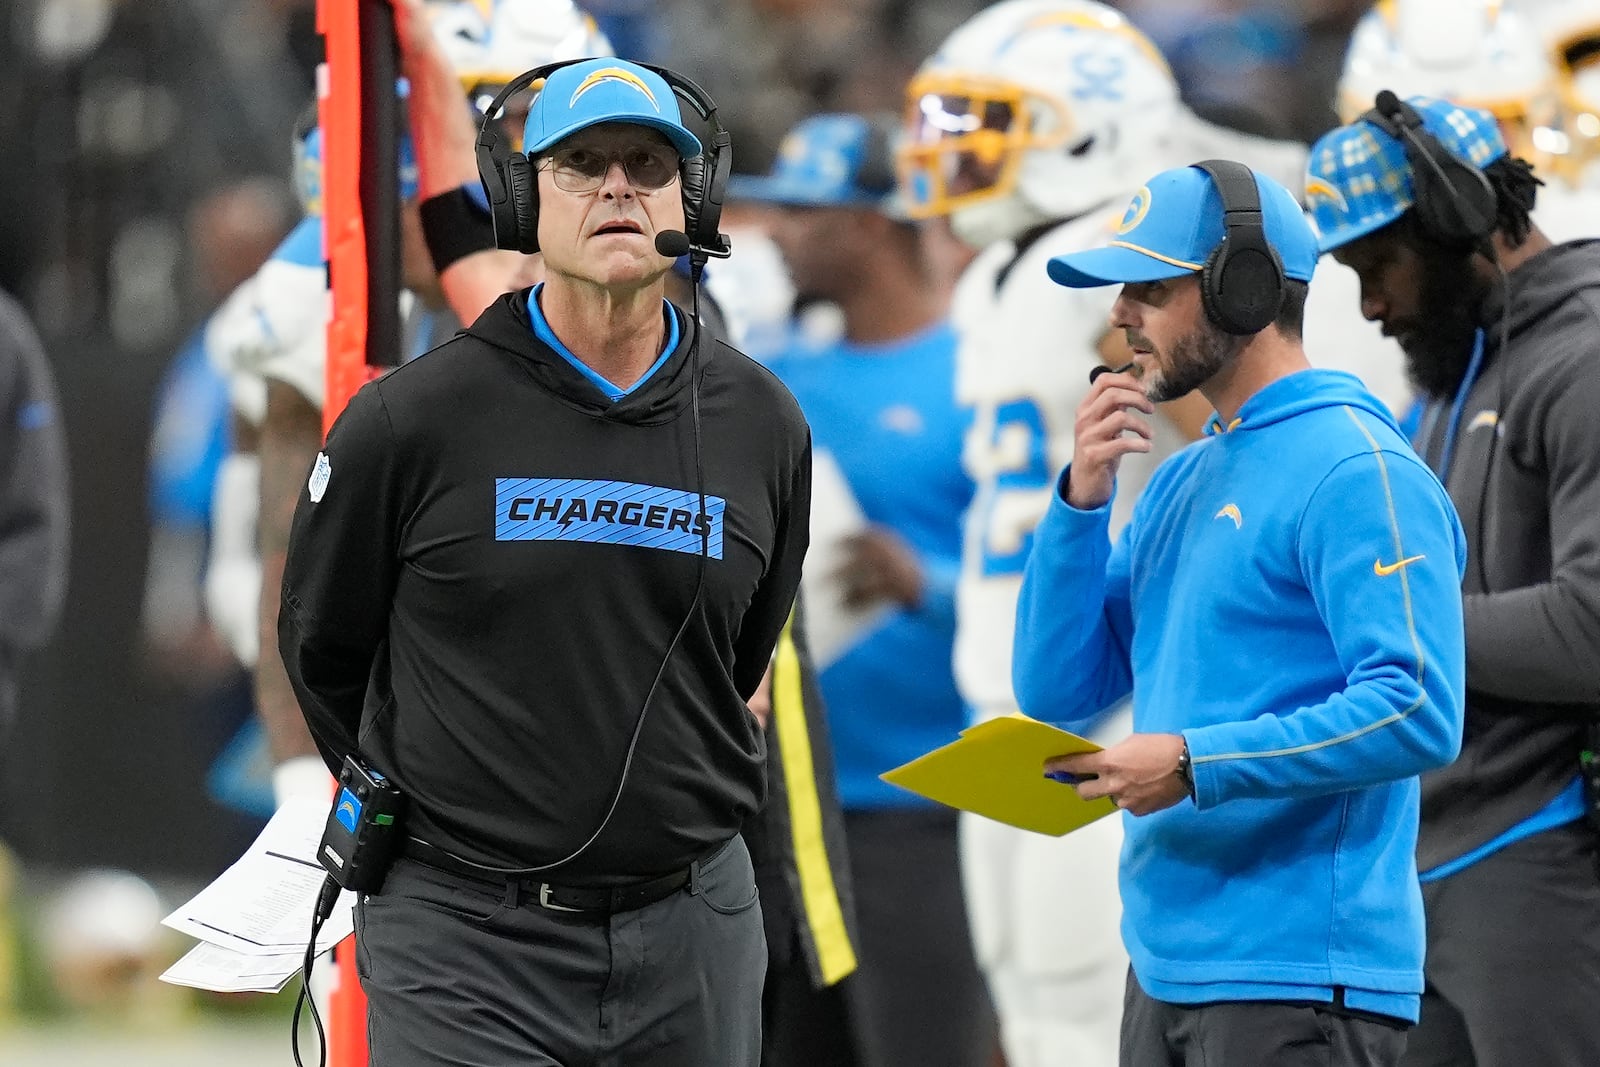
(1024, 130)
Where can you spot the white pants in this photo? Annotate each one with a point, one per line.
(1046, 925)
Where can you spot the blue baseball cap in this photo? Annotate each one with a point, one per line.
(823, 162)
(1357, 177)
(595, 91)
(1173, 224)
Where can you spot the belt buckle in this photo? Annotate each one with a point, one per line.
(544, 900)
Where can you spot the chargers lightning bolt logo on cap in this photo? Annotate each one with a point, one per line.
(1322, 189)
(613, 74)
(1138, 208)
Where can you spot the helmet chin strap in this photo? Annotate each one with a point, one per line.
(981, 225)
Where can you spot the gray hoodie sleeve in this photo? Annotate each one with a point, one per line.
(33, 487)
(1542, 642)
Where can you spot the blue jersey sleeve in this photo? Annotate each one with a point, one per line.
(191, 438)
(1382, 553)
(939, 579)
(1074, 635)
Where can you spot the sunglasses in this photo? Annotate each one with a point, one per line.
(583, 170)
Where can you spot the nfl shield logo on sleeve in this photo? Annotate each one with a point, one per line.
(319, 477)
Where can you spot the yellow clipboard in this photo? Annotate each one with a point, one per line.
(996, 769)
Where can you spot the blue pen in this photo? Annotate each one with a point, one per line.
(1068, 778)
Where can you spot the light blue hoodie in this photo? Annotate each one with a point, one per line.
(1288, 598)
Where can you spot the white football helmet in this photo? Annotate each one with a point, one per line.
(1570, 30)
(1031, 111)
(489, 42)
(1471, 52)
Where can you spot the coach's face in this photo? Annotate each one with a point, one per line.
(1424, 295)
(604, 194)
(1176, 348)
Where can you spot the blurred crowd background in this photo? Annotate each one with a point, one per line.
(146, 173)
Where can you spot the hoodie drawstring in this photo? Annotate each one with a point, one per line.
(1460, 403)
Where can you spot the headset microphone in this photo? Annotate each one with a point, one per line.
(672, 243)
(1103, 369)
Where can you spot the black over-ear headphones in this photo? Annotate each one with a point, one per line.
(1241, 283)
(876, 174)
(511, 185)
(1454, 201)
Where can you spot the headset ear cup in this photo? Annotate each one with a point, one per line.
(1429, 200)
(694, 192)
(1211, 296)
(1461, 208)
(1453, 200)
(523, 182)
(1242, 288)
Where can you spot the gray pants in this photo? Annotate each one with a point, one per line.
(918, 996)
(1250, 1033)
(455, 976)
(1514, 959)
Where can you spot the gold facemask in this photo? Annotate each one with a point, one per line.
(965, 139)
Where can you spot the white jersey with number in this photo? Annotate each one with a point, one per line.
(1027, 347)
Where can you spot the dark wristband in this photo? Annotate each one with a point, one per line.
(1185, 770)
(454, 227)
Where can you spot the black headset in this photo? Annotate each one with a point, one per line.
(1455, 205)
(1241, 282)
(1454, 202)
(876, 174)
(512, 187)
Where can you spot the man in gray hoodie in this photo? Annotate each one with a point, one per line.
(33, 500)
(1501, 329)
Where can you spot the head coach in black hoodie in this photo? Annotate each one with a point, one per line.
(533, 579)
(1501, 331)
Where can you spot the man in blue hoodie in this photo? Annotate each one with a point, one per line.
(1284, 609)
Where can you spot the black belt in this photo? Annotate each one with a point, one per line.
(594, 901)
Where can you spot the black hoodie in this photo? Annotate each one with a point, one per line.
(1526, 480)
(486, 571)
